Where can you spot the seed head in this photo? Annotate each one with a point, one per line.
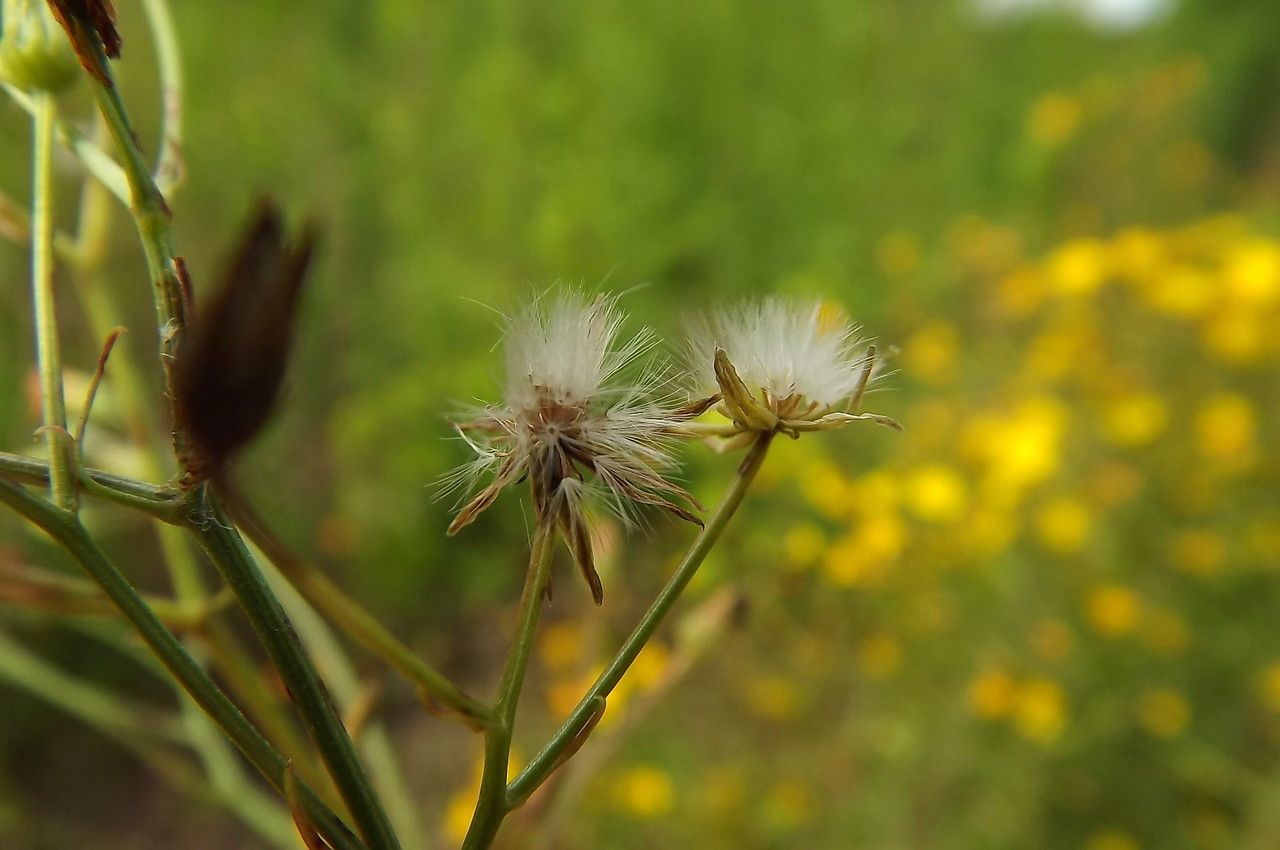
(574, 424)
(778, 366)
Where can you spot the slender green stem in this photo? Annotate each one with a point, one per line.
(159, 502)
(169, 169)
(375, 744)
(227, 551)
(62, 475)
(95, 160)
(553, 754)
(491, 807)
(67, 530)
(319, 590)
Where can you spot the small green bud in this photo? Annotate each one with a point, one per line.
(34, 53)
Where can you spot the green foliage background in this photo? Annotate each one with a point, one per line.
(899, 159)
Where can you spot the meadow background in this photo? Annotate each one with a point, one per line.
(1045, 616)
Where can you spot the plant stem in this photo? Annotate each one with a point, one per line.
(169, 169)
(62, 474)
(228, 553)
(319, 590)
(159, 502)
(557, 749)
(491, 807)
(68, 531)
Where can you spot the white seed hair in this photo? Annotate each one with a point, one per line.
(783, 348)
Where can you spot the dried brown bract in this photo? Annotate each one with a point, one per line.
(229, 370)
(90, 24)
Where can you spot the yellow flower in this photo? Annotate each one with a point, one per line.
(930, 353)
(1252, 272)
(936, 493)
(1163, 712)
(1225, 427)
(1269, 687)
(1078, 268)
(773, 698)
(1114, 610)
(898, 254)
(645, 792)
(879, 656)
(1112, 839)
(1063, 525)
(803, 544)
(1199, 551)
(992, 694)
(1135, 419)
(1137, 254)
(560, 646)
(1053, 119)
(1040, 710)
(1236, 335)
(826, 488)
(1021, 292)
(1183, 292)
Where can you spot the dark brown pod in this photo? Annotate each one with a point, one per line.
(229, 370)
(88, 22)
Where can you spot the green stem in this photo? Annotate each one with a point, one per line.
(227, 551)
(62, 477)
(159, 502)
(491, 807)
(67, 530)
(558, 748)
(169, 169)
(319, 590)
(375, 744)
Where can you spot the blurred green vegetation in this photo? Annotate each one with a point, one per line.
(1045, 617)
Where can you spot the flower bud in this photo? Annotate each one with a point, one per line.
(34, 55)
(229, 369)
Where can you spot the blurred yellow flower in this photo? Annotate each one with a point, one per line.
(1137, 255)
(773, 697)
(988, 531)
(936, 493)
(1020, 449)
(1225, 428)
(1021, 292)
(1252, 272)
(864, 556)
(1199, 552)
(649, 667)
(992, 694)
(826, 488)
(645, 792)
(1236, 335)
(802, 545)
(1114, 610)
(1163, 712)
(1183, 291)
(1052, 640)
(1040, 710)
(899, 252)
(1269, 686)
(879, 490)
(1112, 839)
(930, 353)
(879, 656)
(1078, 268)
(1062, 525)
(457, 814)
(560, 646)
(1053, 119)
(1134, 419)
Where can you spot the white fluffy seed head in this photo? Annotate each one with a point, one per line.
(581, 425)
(784, 349)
